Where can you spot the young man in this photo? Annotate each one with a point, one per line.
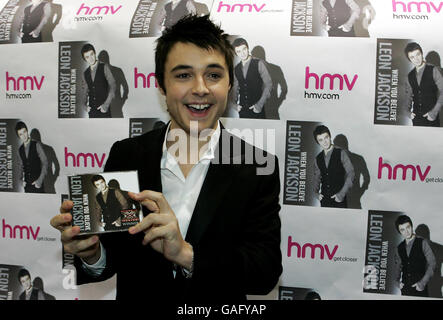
(252, 82)
(34, 18)
(414, 260)
(98, 83)
(33, 163)
(110, 203)
(29, 292)
(211, 229)
(333, 171)
(424, 89)
(338, 17)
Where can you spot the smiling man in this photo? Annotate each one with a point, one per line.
(333, 171)
(211, 229)
(424, 89)
(414, 260)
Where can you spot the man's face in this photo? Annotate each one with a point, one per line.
(197, 86)
(26, 282)
(242, 52)
(324, 140)
(406, 230)
(90, 57)
(100, 185)
(23, 134)
(416, 57)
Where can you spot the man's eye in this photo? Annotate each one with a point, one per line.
(182, 75)
(214, 76)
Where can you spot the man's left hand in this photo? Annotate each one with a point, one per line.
(418, 287)
(336, 198)
(345, 28)
(428, 116)
(254, 108)
(161, 228)
(36, 184)
(102, 109)
(34, 34)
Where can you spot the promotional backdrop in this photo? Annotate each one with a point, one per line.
(339, 64)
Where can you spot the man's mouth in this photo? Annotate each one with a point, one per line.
(198, 108)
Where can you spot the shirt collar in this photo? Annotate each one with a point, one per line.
(209, 154)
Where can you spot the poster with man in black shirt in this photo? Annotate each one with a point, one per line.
(24, 161)
(317, 172)
(33, 163)
(400, 260)
(252, 82)
(86, 86)
(409, 83)
(333, 18)
(151, 17)
(28, 21)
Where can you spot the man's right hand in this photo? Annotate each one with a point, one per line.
(86, 248)
(412, 115)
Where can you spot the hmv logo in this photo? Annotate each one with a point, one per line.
(145, 80)
(393, 172)
(23, 82)
(84, 9)
(86, 159)
(417, 6)
(239, 7)
(19, 232)
(332, 80)
(313, 248)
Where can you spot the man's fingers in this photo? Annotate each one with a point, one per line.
(150, 204)
(149, 221)
(155, 233)
(66, 206)
(82, 246)
(70, 233)
(60, 221)
(158, 197)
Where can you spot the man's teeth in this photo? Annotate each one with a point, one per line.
(199, 106)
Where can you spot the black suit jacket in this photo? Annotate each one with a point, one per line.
(234, 230)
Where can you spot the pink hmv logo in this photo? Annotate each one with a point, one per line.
(394, 171)
(23, 82)
(417, 6)
(301, 250)
(84, 9)
(147, 81)
(88, 159)
(17, 231)
(333, 79)
(239, 7)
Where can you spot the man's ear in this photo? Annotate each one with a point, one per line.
(163, 92)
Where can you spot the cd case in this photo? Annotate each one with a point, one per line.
(102, 203)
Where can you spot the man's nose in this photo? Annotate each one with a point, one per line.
(199, 86)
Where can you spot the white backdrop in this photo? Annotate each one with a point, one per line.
(266, 26)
